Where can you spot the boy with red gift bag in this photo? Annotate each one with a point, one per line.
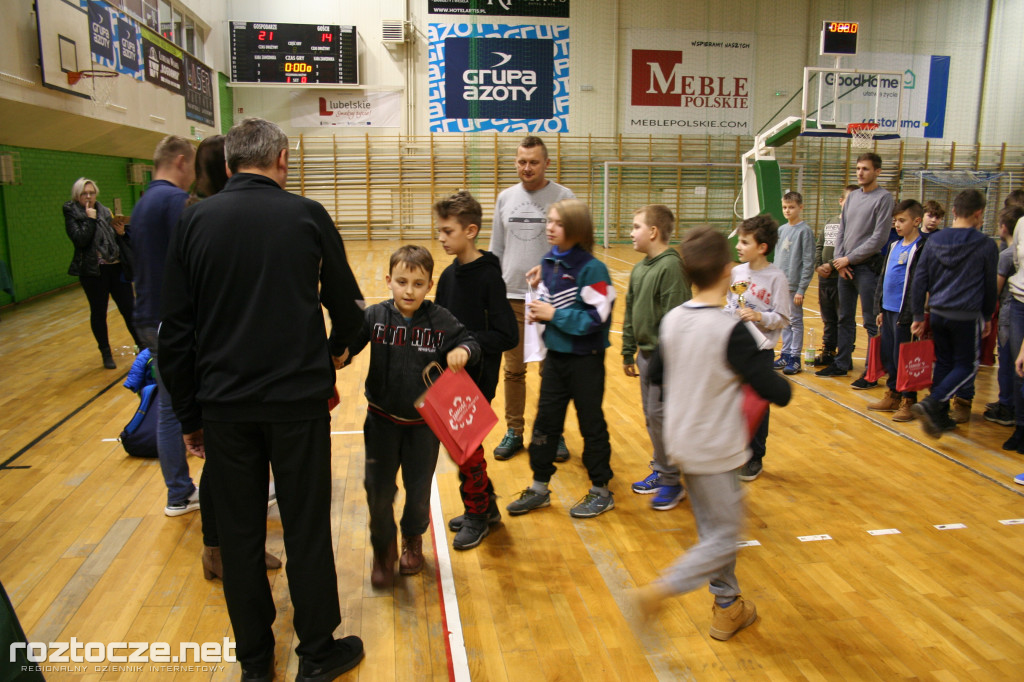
(892, 300)
(473, 290)
(958, 275)
(405, 334)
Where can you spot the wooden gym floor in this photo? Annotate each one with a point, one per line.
(86, 551)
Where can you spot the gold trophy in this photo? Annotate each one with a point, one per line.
(739, 288)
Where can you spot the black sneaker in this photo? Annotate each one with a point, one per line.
(1000, 414)
(510, 445)
(261, 673)
(493, 516)
(1016, 440)
(934, 417)
(562, 453)
(824, 359)
(831, 371)
(346, 655)
(474, 529)
(751, 470)
(862, 383)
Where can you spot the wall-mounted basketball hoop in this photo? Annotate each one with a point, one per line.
(862, 135)
(101, 82)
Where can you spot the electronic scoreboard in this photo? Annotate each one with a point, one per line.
(839, 38)
(263, 52)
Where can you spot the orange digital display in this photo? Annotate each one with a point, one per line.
(842, 27)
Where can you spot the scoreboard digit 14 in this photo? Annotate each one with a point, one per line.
(263, 52)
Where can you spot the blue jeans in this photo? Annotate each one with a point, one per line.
(1007, 360)
(169, 444)
(793, 335)
(863, 286)
(957, 345)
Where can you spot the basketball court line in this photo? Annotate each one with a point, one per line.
(451, 621)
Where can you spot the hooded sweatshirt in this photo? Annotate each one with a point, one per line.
(474, 293)
(958, 270)
(401, 349)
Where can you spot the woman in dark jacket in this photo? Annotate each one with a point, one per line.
(97, 261)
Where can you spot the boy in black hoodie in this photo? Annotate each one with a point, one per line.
(472, 288)
(406, 334)
(957, 273)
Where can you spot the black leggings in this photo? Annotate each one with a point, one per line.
(98, 290)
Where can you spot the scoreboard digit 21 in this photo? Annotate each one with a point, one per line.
(263, 52)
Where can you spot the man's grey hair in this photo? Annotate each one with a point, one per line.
(254, 143)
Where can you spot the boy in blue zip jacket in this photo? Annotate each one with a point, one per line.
(576, 304)
(892, 301)
(405, 334)
(958, 275)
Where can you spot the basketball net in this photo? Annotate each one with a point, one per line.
(862, 135)
(101, 83)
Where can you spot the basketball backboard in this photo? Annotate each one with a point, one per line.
(833, 98)
(63, 44)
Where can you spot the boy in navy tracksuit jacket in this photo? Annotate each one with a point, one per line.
(892, 301)
(958, 274)
(405, 334)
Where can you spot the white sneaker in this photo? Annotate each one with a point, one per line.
(189, 505)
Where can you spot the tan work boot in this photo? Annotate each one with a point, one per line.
(889, 402)
(383, 573)
(728, 621)
(412, 555)
(960, 410)
(904, 414)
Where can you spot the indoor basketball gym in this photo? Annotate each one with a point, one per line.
(872, 551)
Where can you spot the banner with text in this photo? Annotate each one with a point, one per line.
(507, 8)
(198, 91)
(324, 109)
(114, 39)
(689, 82)
(163, 62)
(925, 88)
(498, 77)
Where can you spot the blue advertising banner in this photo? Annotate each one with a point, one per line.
(198, 91)
(101, 34)
(498, 77)
(114, 39)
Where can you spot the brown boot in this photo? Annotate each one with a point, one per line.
(889, 402)
(411, 562)
(728, 621)
(383, 573)
(904, 414)
(212, 567)
(960, 410)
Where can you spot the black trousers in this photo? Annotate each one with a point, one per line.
(98, 290)
(828, 301)
(389, 447)
(237, 455)
(579, 378)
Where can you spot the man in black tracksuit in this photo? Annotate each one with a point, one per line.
(247, 360)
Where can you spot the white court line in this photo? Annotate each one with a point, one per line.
(449, 599)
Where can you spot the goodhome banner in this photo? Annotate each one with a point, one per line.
(689, 82)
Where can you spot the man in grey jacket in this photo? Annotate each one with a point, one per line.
(863, 230)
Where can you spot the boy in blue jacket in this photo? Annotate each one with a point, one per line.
(957, 273)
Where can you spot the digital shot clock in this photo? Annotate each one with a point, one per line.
(839, 38)
(266, 52)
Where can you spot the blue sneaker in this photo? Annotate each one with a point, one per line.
(781, 362)
(510, 445)
(668, 497)
(792, 366)
(1019, 479)
(649, 485)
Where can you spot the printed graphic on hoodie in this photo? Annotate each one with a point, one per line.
(421, 338)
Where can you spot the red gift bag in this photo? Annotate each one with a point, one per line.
(917, 358)
(874, 370)
(456, 411)
(754, 407)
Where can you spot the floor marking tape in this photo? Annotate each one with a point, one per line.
(458, 661)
